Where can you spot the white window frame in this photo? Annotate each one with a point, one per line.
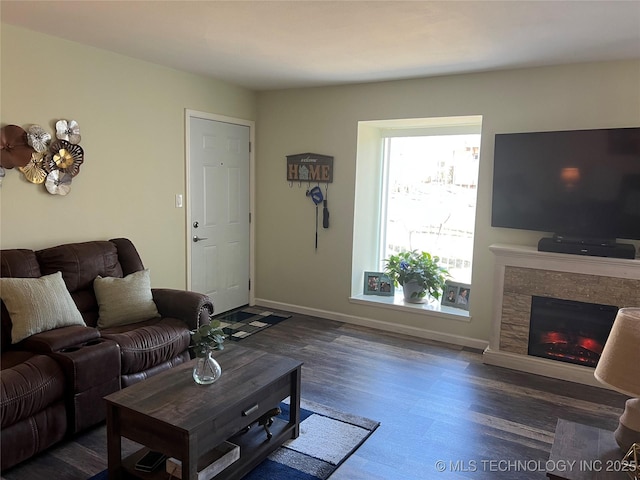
(369, 196)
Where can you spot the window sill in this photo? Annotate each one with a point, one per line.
(397, 303)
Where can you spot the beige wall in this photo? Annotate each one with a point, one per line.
(131, 114)
(132, 118)
(324, 120)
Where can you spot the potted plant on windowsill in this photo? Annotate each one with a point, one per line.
(206, 339)
(419, 274)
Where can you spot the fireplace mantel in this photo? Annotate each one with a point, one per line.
(522, 272)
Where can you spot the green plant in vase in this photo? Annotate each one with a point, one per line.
(206, 339)
(418, 273)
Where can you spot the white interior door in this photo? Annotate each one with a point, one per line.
(219, 160)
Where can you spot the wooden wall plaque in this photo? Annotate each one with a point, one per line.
(310, 167)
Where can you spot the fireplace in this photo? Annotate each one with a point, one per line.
(522, 273)
(569, 331)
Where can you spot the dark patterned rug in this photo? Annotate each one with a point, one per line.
(242, 323)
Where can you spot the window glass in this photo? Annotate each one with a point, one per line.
(428, 199)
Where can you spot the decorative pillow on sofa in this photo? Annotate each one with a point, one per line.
(124, 300)
(38, 305)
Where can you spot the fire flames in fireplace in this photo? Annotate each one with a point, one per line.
(567, 347)
(569, 331)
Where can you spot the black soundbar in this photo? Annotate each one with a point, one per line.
(618, 250)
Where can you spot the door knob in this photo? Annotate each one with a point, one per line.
(198, 239)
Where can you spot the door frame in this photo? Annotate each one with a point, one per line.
(189, 114)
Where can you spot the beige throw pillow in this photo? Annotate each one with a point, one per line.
(124, 300)
(38, 304)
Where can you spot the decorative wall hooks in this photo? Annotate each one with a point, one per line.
(40, 159)
(312, 168)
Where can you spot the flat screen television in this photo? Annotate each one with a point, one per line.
(581, 185)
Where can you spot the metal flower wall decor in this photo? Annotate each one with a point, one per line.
(41, 160)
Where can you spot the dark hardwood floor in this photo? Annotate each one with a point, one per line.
(435, 402)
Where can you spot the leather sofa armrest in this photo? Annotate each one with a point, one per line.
(59, 338)
(193, 308)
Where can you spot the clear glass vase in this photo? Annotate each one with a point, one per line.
(207, 369)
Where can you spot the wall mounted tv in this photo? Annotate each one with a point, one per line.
(581, 185)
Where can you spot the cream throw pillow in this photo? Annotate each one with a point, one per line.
(38, 304)
(124, 300)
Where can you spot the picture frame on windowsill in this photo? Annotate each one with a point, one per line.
(378, 283)
(456, 295)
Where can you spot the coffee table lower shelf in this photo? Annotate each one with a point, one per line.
(254, 448)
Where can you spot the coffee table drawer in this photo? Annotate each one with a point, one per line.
(247, 411)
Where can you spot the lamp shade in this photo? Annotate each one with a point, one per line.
(618, 365)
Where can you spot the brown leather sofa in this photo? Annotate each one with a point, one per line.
(53, 382)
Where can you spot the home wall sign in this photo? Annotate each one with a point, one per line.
(309, 167)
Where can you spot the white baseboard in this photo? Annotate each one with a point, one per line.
(541, 366)
(377, 324)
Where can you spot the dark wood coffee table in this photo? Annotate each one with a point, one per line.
(172, 414)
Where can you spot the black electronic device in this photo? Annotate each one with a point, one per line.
(616, 250)
(150, 461)
(582, 185)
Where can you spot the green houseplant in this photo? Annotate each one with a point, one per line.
(206, 339)
(419, 274)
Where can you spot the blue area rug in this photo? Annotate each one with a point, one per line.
(327, 438)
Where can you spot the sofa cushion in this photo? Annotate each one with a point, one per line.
(27, 437)
(125, 300)
(30, 383)
(147, 344)
(129, 379)
(17, 262)
(80, 263)
(38, 304)
(128, 256)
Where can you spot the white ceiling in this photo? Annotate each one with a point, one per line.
(282, 44)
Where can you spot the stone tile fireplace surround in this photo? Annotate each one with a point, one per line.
(523, 272)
